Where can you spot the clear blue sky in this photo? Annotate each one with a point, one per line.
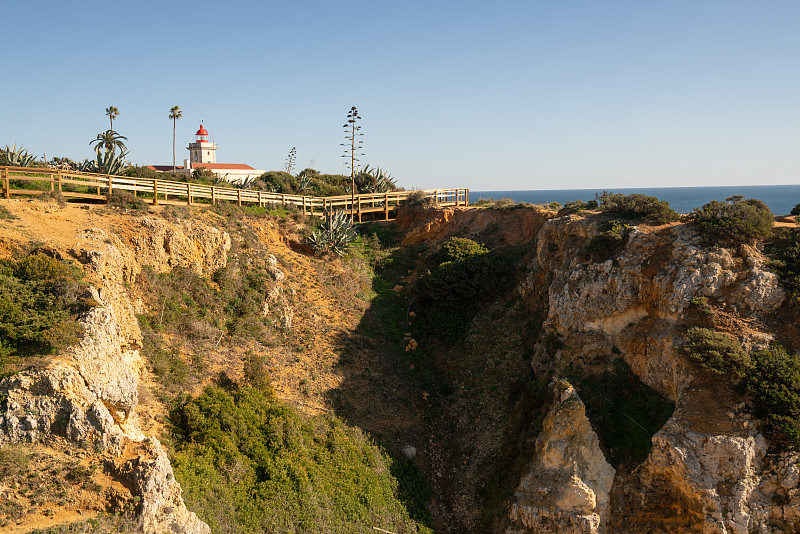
(512, 95)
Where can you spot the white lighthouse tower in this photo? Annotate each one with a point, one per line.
(202, 150)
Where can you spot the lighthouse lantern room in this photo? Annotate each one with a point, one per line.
(202, 150)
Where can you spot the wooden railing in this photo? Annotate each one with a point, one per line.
(73, 184)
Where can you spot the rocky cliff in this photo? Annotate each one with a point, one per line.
(570, 320)
(88, 395)
(708, 470)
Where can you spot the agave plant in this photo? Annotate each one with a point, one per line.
(303, 183)
(375, 180)
(16, 157)
(335, 235)
(106, 162)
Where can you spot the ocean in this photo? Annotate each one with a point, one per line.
(780, 198)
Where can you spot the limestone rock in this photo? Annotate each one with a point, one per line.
(191, 244)
(162, 508)
(566, 489)
(88, 394)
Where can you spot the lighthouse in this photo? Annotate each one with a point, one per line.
(202, 155)
(202, 150)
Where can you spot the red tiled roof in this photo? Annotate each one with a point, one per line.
(163, 168)
(223, 166)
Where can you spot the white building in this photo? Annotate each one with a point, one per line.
(202, 155)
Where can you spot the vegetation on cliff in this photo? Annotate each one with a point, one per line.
(466, 272)
(636, 206)
(246, 460)
(737, 220)
(40, 298)
(248, 463)
(785, 252)
(771, 376)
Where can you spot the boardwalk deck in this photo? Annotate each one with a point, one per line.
(28, 181)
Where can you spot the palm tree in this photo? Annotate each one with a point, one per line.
(112, 113)
(175, 113)
(110, 141)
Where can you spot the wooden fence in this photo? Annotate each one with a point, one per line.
(73, 184)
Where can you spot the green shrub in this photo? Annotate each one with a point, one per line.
(248, 463)
(785, 253)
(40, 299)
(126, 200)
(577, 206)
(774, 385)
(308, 182)
(447, 298)
(504, 202)
(417, 199)
(733, 222)
(795, 210)
(637, 206)
(716, 352)
(607, 244)
(459, 249)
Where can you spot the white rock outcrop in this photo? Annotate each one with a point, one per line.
(567, 487)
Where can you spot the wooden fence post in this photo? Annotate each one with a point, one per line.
(386, 206)
(110, 190)
(213, 196)
(155, 192)
(189, 193)
(59, 180)
(6, 187)
(239, 197)
(304, 206)
(260, 203)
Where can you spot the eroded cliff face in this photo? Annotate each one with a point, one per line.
(88, 395)
(708, 470)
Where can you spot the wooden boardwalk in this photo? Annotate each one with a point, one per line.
(31, 181)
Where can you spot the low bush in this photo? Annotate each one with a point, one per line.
(795, 210)
(467, 273)
(637, 206)
(417, 199)
(191, 310)
(495, 202)
(125, 200)
(607, 244)
(53, 196)
(716, 352)
(248, 463)
(784, 250)
(577, 206)
(735, 221)
(460, 249)
(40, 299)
(774, 385)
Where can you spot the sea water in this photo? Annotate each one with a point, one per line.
(780, 198)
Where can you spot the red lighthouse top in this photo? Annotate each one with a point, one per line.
(202, 134)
